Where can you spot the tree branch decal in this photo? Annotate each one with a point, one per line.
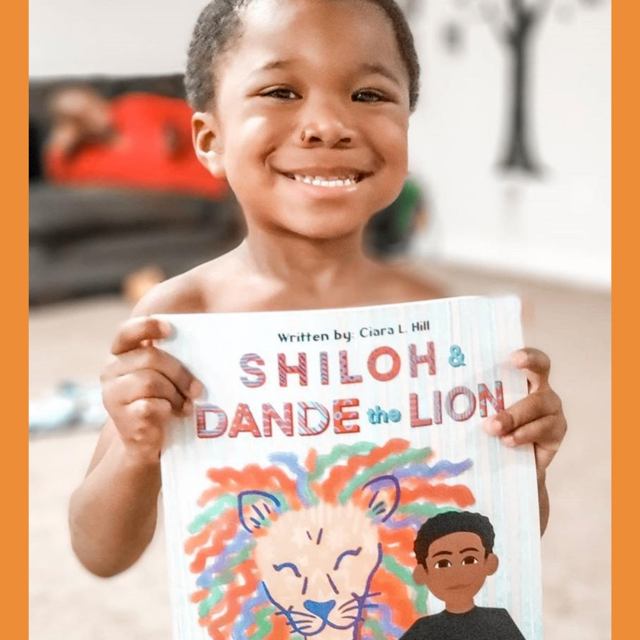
(515, 23)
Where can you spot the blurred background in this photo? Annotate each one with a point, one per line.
(510, 191)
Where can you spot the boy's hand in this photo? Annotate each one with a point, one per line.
(142, 387)
(538, 418)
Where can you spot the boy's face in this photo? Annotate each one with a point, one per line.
(456, 568)
(312, 89)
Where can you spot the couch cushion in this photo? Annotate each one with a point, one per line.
(59, 214)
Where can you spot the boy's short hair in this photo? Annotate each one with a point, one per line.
(453, 522)
(220, 24)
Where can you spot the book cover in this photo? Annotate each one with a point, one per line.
(335, 482)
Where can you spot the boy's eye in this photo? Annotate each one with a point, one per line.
(470, 560)
(442, 564)
(280, 93)
(368, 95)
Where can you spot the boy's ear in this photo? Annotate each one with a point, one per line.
(492, 563)
(420, 575)
(206, 142)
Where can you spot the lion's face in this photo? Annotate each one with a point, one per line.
(316, 566)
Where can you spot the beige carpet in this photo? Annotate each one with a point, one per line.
(70, 342)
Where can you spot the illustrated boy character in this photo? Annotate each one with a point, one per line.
(454, 552)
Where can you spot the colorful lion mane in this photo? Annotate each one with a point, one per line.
(231, 603)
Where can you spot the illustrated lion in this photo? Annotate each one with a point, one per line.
(322, 549)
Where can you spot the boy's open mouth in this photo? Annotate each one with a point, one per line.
(337, 179)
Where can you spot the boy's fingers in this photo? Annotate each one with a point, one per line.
(149, 384)
(135, 332)
(157, 360)
(536, 363)
(547, 432)
(151, 409)
(536, 405)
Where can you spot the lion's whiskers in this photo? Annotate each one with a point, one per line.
(360, 607)
(290, 612)
(354, 618)
(348, 602)
(359, 599)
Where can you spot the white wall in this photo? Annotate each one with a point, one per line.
(123, 37)
(557, 227)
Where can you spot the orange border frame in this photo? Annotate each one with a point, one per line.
(626, 227)
(14, 161)
(14, 261)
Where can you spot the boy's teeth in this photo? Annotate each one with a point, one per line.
(318, 181)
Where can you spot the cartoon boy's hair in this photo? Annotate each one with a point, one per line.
(452, 522)
(220, 24)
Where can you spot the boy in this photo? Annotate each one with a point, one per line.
(454, 552)
(303, 106)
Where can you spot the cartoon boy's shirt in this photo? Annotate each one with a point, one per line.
(481, 623)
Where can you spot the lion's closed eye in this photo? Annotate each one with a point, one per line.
(344, 554)
(288, 565)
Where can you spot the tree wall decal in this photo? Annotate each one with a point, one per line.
(515, 25)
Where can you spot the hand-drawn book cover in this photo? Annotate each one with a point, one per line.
(335, 481)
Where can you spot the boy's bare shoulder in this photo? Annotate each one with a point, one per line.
(224, 285)
(404, 284)
(190, 292)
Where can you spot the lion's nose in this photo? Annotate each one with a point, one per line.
(320, 609)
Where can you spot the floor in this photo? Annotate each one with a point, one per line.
(71, 341)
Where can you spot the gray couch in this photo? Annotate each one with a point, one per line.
(85, 241)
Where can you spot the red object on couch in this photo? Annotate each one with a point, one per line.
(151, 149)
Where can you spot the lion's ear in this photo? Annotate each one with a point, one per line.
(255, 509)
(382, 495)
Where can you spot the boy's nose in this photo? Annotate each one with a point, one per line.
(326, 127)
(324, 136)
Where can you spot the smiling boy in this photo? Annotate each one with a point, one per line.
(303, 106)
(454, 552)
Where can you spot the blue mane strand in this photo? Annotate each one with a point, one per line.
(387, 621)
(441, 468)
(290, 462)
(247, 615)
(239, 543)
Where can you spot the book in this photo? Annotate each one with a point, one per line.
(335, 481)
